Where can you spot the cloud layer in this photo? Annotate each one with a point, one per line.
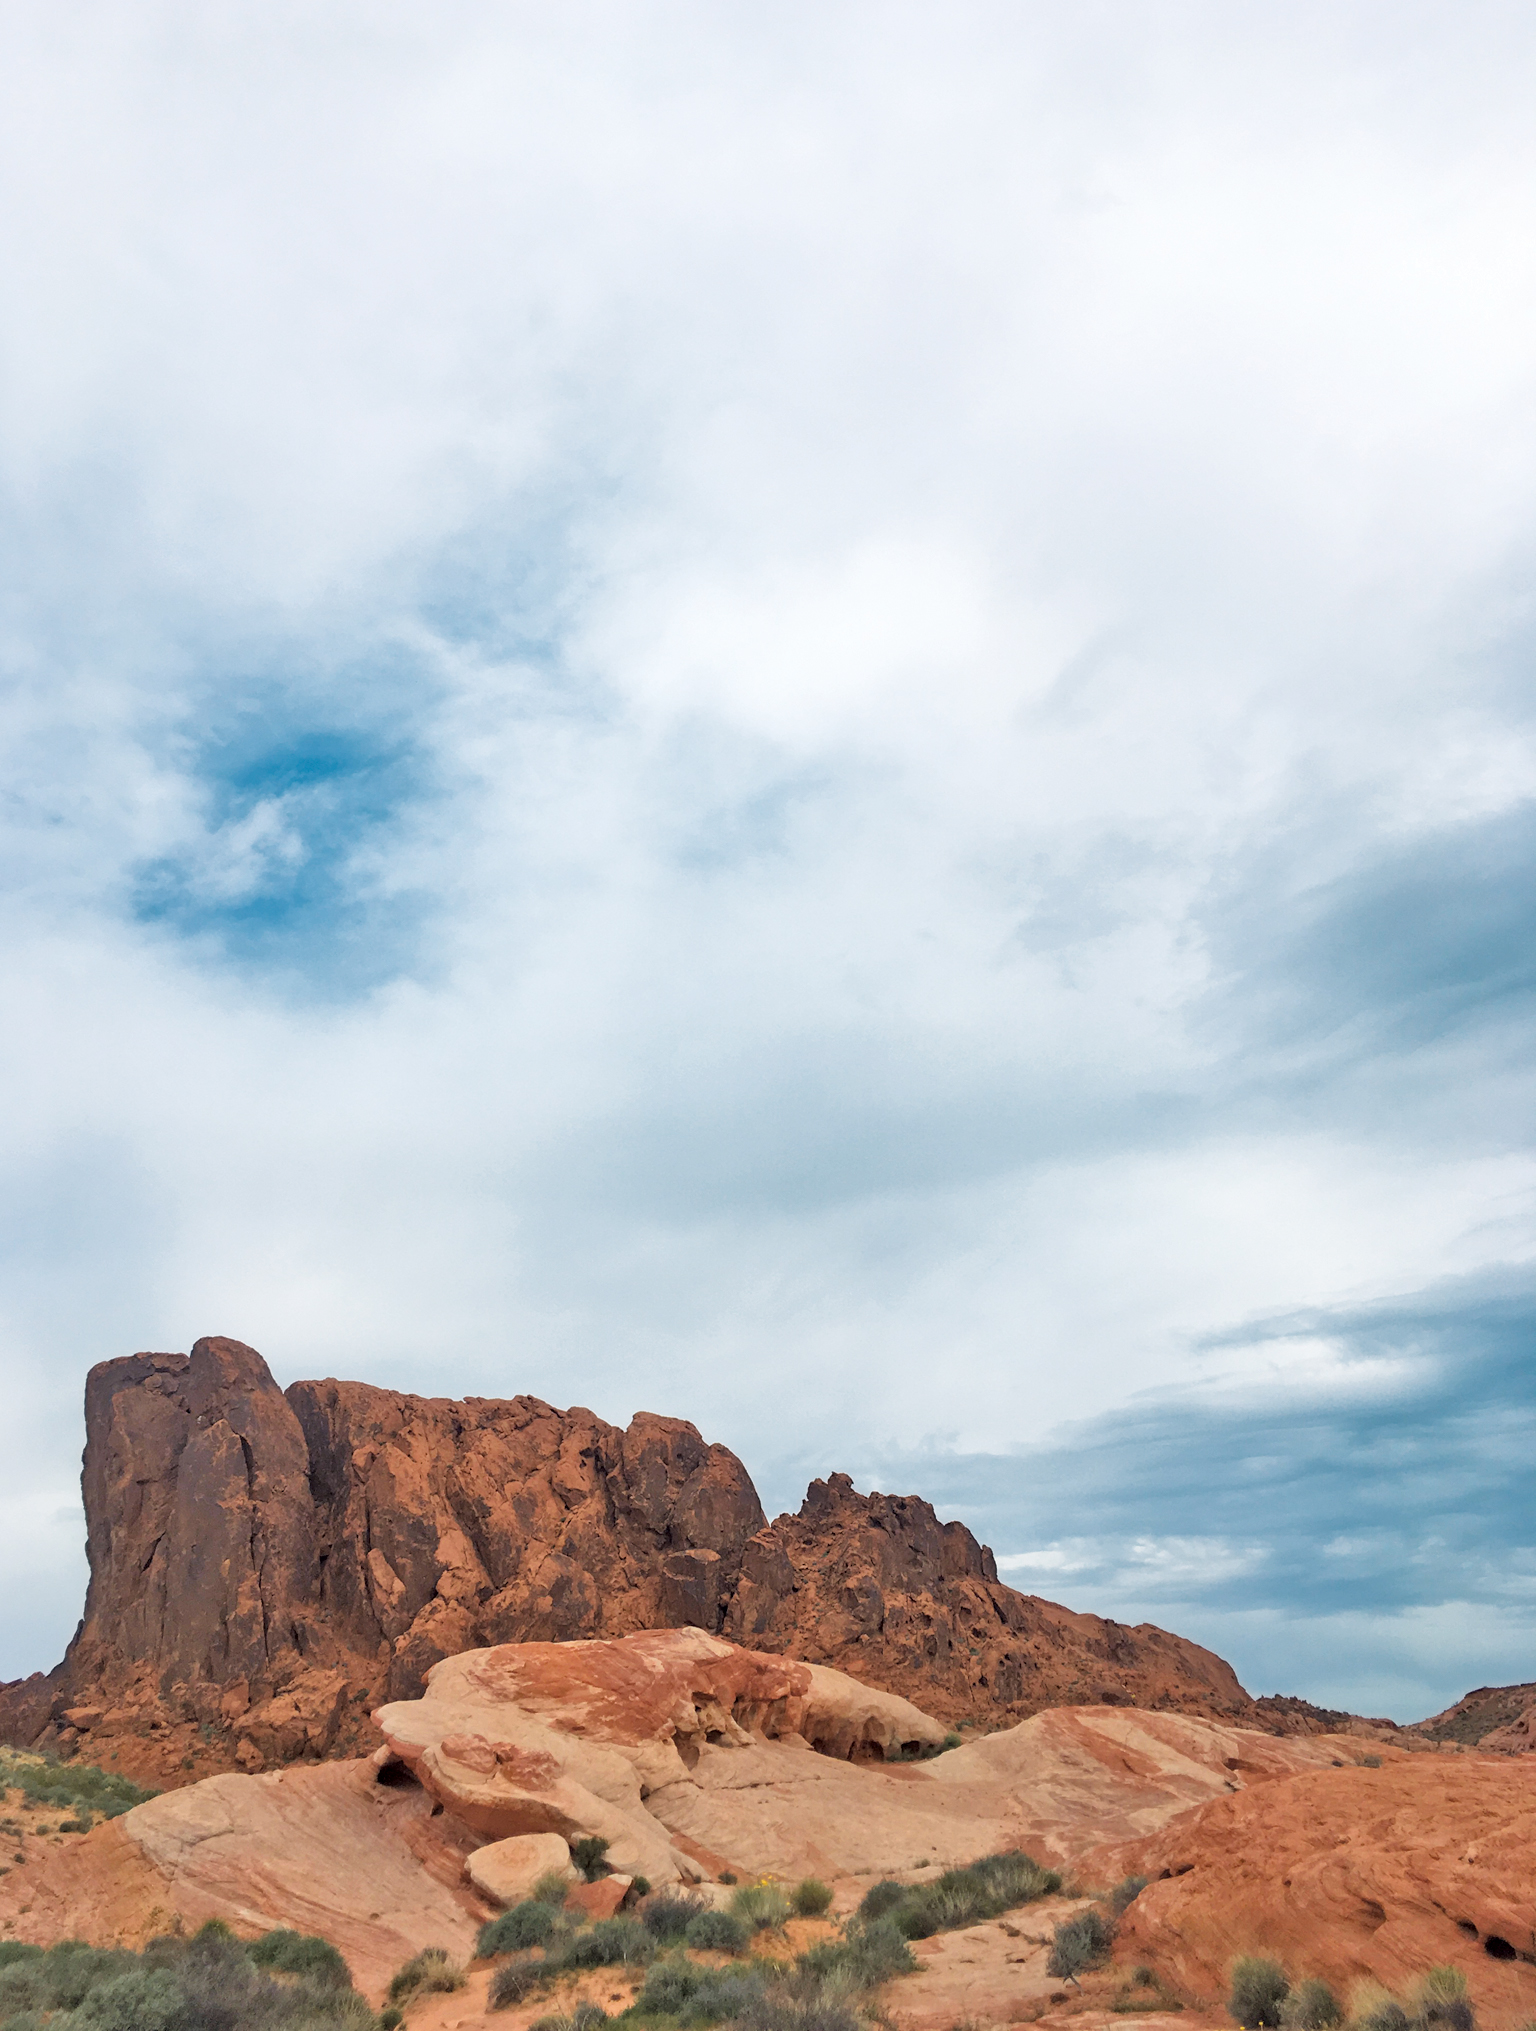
(802, 722)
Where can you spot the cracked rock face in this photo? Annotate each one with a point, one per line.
(267, 1566)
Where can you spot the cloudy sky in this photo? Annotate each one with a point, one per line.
(815, 716)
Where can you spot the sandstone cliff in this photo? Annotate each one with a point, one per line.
(265, 1567)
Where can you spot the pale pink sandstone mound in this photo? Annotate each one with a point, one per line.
(686, 1752)
(368, 1865)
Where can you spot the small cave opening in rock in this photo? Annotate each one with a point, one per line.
(1465, 1925)
(1498, 1949)
(397, 1776)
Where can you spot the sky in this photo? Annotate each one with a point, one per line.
(816, 717)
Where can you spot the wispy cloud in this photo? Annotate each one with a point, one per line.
(780, 718)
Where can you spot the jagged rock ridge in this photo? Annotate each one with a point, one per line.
(266, 1566)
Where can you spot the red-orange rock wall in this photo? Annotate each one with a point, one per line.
(266, 1567)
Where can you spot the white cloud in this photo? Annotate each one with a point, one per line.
(871, 536)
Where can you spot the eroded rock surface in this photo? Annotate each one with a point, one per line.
(330, 1851)
(689, 1754)
(593, 1738)
(1353, 1872)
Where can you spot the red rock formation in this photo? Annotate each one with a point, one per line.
(878, 1587)
(1351, 1873)
(266, 1567)
(1499, 1717)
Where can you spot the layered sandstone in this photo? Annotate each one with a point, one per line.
(690, 1755)
(1494, 1717)
(267, 1566)
(1349, 1873)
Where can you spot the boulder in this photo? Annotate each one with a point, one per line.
(505, 1871)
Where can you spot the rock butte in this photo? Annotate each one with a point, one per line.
(266, 1566)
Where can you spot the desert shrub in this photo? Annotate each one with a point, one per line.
(666, 1914)
(669, 1986)
(144, 1999)
(515, 1982)
(61, 1785)
(550, 1888)
(725, 1994)
(431, 1972)
(301, 1953)
(391, 2019)
(810, 1897)
(72, 1969)
(882, 1899)
(1125, 1893)
(1078, 1944)
(717, 1932)
(1370, 1762)
(695, 1995)
(1311, 2006)
(762, 1906)
(640, 1886)
(1259, 1987)
(799, 2005)
(983, 1889)
(1385, 2014)
(612, 1942)
(726, 1876)
(13, 1950)
(585, 2017)
(22, 1988)
(587, 1853)
(530, 1923)
(1444, 2002)
(865, 1956)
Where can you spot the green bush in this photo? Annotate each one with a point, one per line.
(515, 1982)
(717, 1932)
(1125, 1893)
(587, 1853)
(530, 1923)
(13, 1950)
(811, 1897)
(724, 1994)
(1259, 1988)
(983, 1889)
(866, 1955)
(199, 1984)
(1444, 2004)
(61, 1785)
(1311, 2006)
(612, 1942)
(301, 1953)
(551, 1888)
(431, 1972)
(667, 1914)
(762, 1906)
(1078, 1944)
(144, 1999)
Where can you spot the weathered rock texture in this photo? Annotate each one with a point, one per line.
(1501, 1717)
(265, 1567)
(373, 1868)
(584, 1739)
(690, 1755)
(1352, 1873)
(877, 1586)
